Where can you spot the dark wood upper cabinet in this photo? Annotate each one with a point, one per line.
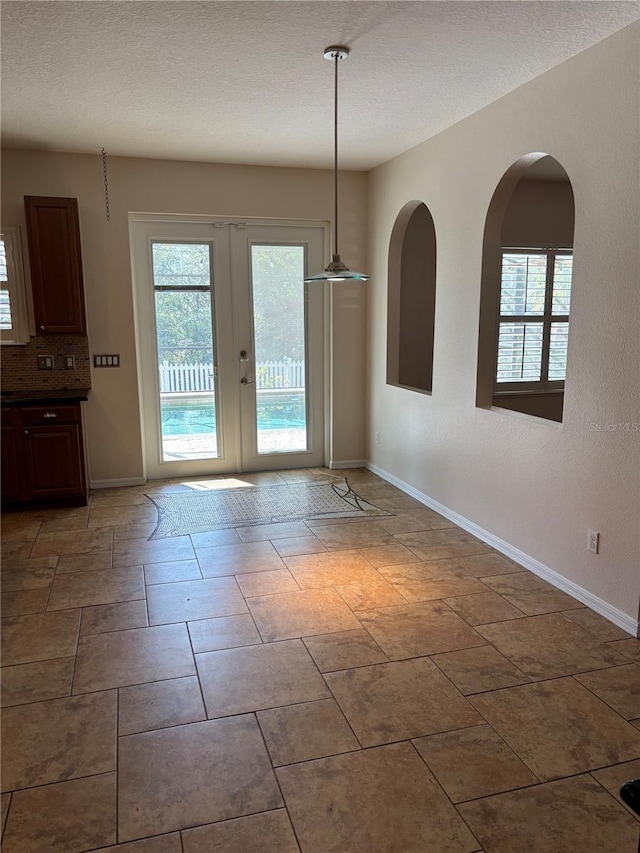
(56, 264)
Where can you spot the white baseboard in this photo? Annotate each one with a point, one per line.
(117, 484)
(347, 463)
(622, 620)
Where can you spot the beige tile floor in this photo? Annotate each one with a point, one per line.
(333, 686)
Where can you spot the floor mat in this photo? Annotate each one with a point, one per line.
(197, 512)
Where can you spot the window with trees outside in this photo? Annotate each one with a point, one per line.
(535, 294)
(14, 327)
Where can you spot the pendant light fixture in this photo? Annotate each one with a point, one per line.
(336, 271)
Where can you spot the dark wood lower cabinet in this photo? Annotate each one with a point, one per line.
(9, 471)
(43, 455)
(53, 461)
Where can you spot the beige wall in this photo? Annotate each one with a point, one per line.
(540, 214)
(416, 292)
(155, 186)
(536, 485)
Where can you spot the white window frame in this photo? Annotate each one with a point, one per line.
(542, 385)
(19, 331)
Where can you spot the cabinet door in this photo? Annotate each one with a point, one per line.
(54, 461)
(56, 264)
(10, 477)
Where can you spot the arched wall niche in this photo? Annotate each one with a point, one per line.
(531, 213)
(411, 299)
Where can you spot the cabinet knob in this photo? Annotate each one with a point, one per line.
(42, 328)
(26, 432)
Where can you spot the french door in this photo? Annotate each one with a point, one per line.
(230, 345)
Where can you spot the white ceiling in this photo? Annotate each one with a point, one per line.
(245, 82)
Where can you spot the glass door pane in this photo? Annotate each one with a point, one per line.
(186, 350)
(230, 346)
(279, 324)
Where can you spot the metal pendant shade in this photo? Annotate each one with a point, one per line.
(336, 270)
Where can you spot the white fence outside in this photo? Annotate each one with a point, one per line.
(182, 378)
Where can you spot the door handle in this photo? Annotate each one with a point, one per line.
(245, 381)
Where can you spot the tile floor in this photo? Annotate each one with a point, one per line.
(369, 686)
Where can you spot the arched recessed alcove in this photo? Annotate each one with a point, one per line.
(411, 299)
(527, 265)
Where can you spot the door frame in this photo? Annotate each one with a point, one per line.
(232, 462)
(243, 239)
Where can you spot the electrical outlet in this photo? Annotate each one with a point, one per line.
(45, 362)
(593, 541)
(377, 438)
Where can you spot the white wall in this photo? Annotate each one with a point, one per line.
(535, 484)
(155, 186)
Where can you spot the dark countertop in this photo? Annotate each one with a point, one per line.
(48, 397)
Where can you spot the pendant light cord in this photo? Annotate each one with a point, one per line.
(335, 157)
(105, 176)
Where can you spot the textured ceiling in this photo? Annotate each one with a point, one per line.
(245, 82)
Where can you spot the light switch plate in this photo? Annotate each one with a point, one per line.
(45, 362)
(106, 360)
(69, 362)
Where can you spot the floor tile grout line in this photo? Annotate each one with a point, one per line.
(626, 657)
(526, 678)
(39, 660)
(552, 781)
(117, 754)
(488, 722)
(255, 625)
(537, 784)
(77, 649)
(84, 606)
(255, 645)
(135, 841)
(335, 699)
(101, 690)
(275, 775)
(307, 761)
(33, 545)
(61, 782)
(48, 699)
(361, 627)
(502, 740)
(355, 751)
(197, 673)
(444, 792)
(182, 829)
(617, 800)
(532, 679)
(488, 644)
(6, 816)
(575, 678)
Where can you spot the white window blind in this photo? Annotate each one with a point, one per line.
(14, 328)
(535, 296)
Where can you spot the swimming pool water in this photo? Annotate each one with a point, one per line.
(182, 417)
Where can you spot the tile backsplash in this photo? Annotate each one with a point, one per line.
(19, 364)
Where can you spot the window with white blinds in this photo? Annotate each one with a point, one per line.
(14, 328)
(535, 295)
